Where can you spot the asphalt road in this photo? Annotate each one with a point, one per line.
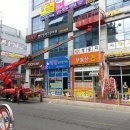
(48, 116)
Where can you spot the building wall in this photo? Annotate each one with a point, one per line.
(103, 39)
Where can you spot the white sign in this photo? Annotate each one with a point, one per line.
(13, 44)
(127, 43)
(92, 68)
(86, 49)
(111, 45)
(68, 2)
(120, 44)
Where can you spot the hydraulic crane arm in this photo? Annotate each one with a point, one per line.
(89, 29)
(29, 58)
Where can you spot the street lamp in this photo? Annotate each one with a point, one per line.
(100, 11)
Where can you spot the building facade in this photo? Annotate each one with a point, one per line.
(13, 47)
(101, 53)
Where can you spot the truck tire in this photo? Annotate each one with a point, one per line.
(13, 98)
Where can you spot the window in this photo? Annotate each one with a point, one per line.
(118, 30)
(59, 51)
(56, 21)
(37, 25)
(88, 39)
(127, 24)
(37, 4)
(36, 46)
(116, 4)
(23, 70)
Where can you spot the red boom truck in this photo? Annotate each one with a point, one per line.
(8, 90)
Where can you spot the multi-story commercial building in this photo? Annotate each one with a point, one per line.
(82, 63)
(13, 47)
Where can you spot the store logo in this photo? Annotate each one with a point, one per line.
(81, 60)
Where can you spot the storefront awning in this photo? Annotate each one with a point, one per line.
(39, 79)
(56, 20)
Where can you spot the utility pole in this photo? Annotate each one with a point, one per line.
(0, 37)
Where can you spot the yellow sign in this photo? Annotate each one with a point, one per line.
(113, 13)
(117, 54)
(89, 1)
(13, 55)
(83, 93)
(48, 8)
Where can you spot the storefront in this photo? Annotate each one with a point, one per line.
(57, 75)
(85, 73)
(119, 68)
(36, 73)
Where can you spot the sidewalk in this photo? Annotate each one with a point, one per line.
(98, 105)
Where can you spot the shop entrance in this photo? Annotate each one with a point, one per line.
(65, 85)
(121, 75)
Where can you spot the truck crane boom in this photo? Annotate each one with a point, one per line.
(42, 51)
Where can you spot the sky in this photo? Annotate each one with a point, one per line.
(14, 13)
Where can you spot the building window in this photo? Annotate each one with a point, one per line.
(37, 46)
(59, 51)
(37, 4)
(87, 39)
(118, 31)
(83, 10)
(23, 70)
(56, 21)
(116, 4)
(37, 24)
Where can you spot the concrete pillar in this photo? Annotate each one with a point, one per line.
(46, 44)
(70, 45)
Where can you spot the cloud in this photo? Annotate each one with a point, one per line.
(15, 13)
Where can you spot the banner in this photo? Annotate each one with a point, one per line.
(48, 8)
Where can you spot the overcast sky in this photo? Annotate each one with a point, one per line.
(15, 13)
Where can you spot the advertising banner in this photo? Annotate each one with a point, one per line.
(57, 7)
(120, 44)
(69, 4)
(111, 45)
(48, 8)
(59, 4)
(58, 62)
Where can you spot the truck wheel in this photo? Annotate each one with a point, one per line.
(13, 98)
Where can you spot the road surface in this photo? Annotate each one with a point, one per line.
(49, 116)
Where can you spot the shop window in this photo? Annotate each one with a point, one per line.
(78, 73)
(32, 71)
(114, 72)
(78, 79)
(86, 73)
(87, 79)
(126, 71)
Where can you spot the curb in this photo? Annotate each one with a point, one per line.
(89, 104)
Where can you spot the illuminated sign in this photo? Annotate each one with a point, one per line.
(49, 33)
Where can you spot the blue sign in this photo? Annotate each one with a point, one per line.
(58, 62)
